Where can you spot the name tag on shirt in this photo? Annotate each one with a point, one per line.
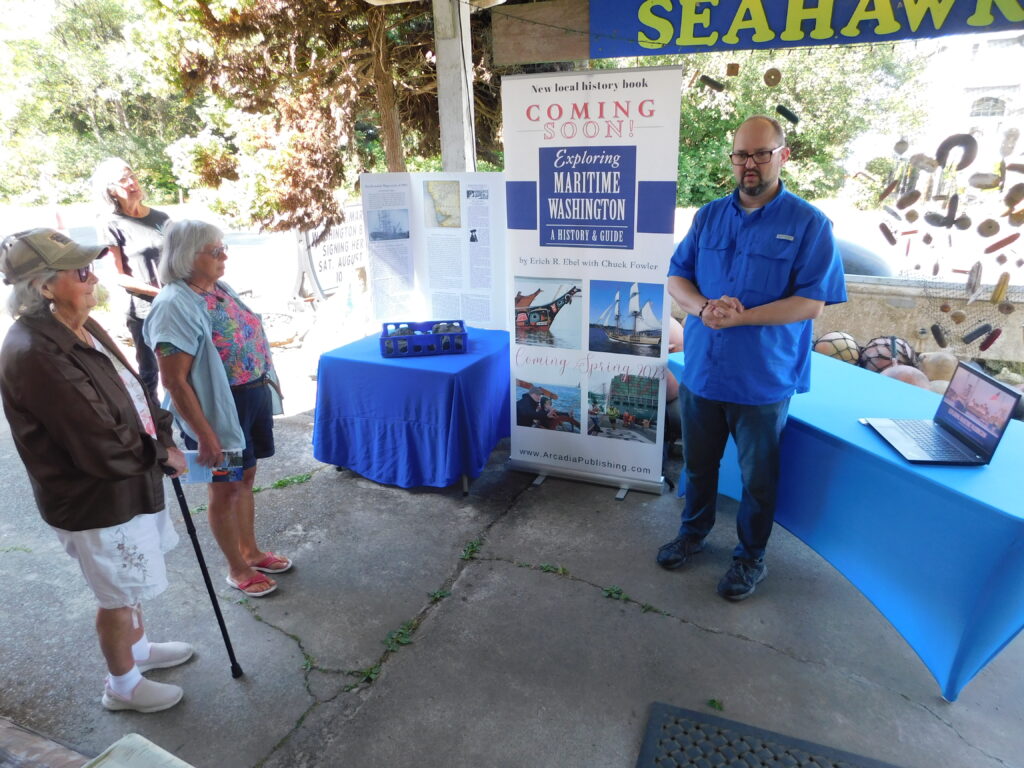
(785, 237)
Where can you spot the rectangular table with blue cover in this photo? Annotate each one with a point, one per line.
(413, 421)
(938, 550)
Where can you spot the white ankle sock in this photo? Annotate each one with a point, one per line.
(140, 651)
(123, 685)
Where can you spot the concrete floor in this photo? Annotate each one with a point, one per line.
(527, 662)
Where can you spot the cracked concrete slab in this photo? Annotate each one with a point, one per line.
(614, 543)
(366, 561)
(517, 667)
(523, 668)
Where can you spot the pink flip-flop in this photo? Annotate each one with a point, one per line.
(266, 564)
(243, 586)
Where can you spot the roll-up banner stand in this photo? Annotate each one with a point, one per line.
(590, 162)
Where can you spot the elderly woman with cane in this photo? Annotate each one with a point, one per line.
(95, 446)
(215, 364)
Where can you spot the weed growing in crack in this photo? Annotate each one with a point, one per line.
(615, 593)
(520, 564)
(402, 636)
(648, 608)
(439, 595)
(469, 551)
(308, 662)
(715, 704)
(5, 550)
(548, 568)
(284, 482)
(367, 675)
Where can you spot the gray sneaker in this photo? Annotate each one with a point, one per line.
(148, 696)
(162, 655)
(675, 554)
(742, 579)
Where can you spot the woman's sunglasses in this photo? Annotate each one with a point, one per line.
(83, 273)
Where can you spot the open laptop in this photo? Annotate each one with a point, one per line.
(967, 427)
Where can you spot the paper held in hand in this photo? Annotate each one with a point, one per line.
(229, 471)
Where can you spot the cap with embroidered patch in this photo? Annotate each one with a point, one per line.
(33, 251)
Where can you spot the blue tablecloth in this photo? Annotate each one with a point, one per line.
(938, 550)
(413, 421)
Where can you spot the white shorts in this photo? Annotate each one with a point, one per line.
(123, 564)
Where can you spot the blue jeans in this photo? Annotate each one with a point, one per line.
(707, 425)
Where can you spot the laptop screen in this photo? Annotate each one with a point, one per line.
(977, 408)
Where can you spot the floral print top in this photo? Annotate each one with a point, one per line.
(135, 390)
(237, 335)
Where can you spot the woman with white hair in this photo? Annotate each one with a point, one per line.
(135, 234)
(215, 364)
(95, 446)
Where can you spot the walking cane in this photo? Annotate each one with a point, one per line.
(236, 671)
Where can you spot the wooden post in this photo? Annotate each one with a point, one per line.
(454, 85)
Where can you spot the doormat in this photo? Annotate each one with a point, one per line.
(683, 738)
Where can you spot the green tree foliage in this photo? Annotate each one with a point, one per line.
(298, 95)
(77, 91)
(838, 94)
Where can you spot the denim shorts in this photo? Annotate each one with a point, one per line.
(256, 417)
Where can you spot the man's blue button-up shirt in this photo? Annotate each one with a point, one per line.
(782, 249)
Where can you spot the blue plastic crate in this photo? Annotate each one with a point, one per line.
(433, 337)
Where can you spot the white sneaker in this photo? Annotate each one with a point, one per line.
(163, 655)
(148, 696)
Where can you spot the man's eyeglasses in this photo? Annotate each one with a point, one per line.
(127, 179)
(761, 157)
(83, 273)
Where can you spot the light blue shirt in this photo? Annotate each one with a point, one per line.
(782, 249)
(179, 317)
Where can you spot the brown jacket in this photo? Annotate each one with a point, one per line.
(89, 459)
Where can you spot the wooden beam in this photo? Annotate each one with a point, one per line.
(557, 30)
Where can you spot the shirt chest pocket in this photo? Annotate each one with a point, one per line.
(713, 262)
(769, 268)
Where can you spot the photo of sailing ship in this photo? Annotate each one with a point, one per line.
(548, 312)
(625, 318)
(388, 224)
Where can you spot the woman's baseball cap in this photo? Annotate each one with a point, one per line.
(33, 251)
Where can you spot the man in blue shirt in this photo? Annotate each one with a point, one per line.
(755, 269)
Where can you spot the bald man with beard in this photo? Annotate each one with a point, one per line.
(755, 269)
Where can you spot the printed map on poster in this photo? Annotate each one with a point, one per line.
(442, 204)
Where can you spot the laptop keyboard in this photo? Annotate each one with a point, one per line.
(930, 439)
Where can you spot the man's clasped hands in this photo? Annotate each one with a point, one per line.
(722, 313)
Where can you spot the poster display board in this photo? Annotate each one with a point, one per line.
(590, 162)
(436, 247)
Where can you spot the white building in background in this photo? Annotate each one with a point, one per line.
(976, 86)
(972, 84)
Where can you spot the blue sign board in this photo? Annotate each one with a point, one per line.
(651, 27)
(588, 196)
